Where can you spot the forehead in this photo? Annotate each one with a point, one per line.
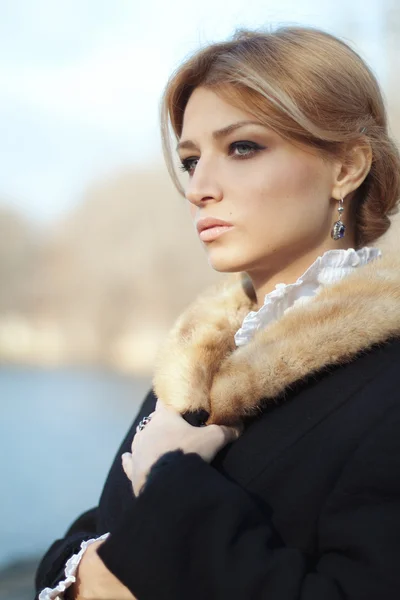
(208, 110)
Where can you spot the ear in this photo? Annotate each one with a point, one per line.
(352, 170)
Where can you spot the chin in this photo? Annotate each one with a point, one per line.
(225, 262)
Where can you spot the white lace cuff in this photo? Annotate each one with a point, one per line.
(71, 566)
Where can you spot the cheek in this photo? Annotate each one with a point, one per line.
(192, 210)
(290, 185)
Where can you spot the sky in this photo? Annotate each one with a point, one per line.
(80, 81)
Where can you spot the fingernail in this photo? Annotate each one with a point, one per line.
(239, 431)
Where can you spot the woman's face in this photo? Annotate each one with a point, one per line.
(276, 196)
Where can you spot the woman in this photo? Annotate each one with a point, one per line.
(292, 487)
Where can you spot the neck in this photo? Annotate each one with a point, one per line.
(288, 269)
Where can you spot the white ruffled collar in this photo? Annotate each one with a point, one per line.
(329, 268)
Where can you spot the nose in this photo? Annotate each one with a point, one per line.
(204, 185)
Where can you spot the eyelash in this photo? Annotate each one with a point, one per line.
(254, 148)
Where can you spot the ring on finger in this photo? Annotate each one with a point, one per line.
(143, 423)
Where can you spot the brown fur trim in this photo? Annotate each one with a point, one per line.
(199, 365)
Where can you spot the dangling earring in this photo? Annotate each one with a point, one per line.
(338, 229)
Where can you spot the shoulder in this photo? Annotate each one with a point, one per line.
(384, 360)
(370, 380)
(372, 472)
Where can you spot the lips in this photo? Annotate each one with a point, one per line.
(209, 222)
(209, 228)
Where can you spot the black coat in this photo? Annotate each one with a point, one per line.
(305, 504)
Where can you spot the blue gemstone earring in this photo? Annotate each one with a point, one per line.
(339, 229)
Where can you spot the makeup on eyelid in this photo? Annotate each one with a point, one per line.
(253, 150)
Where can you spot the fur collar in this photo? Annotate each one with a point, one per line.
(200, 367)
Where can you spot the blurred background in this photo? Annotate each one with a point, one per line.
(97, 253)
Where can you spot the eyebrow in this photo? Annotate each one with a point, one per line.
(218, 134)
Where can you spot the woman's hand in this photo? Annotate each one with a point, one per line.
(168, 431)
(95, 582)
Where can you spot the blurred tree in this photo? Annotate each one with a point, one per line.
(19, 255)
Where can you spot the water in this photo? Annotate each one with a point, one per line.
(59, 432)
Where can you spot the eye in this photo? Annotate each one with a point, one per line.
(186, 164)
(245, 149)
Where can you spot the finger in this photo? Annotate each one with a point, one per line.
(230, 433)
(223, 434)
(126, 459)
(162, 407)
(233, 432)
(159, 405)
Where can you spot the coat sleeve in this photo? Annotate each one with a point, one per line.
(52, 566)
(51, 570)
(192, 533)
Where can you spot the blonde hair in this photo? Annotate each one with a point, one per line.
(309, 87)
